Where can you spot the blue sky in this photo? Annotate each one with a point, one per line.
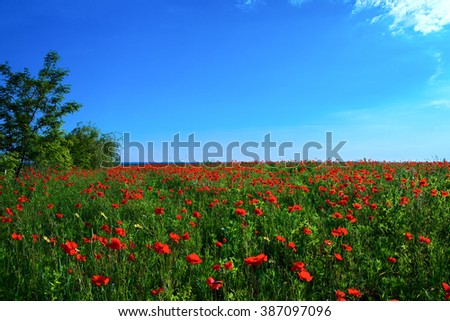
(375, 73)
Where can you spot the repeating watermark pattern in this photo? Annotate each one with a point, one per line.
(138, 153)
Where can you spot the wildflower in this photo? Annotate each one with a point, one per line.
(305, 276)
(346, 247)
(424, 239)
(216, 267)
(120, 231)
(338, 256)
(161, 248)
(115, 244)
(392, 259)
(340, 296)
(213, 284)
(159, 210)
(256, 260)
(228, 265)
(339, 231)
(298, 266)
(17, 237)
(193, 259)
(70, 248)
(357, 206)
(280, 239)
(175, 237)
(408, 236)
(240, 212)
(354, 292)
(185, 236)
(291, 245)
(100, 280)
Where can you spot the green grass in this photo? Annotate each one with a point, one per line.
(39, 269)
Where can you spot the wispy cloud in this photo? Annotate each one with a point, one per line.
(247, 4)
(440, 103)
(439, 69)
(297, 2)
(424, 16)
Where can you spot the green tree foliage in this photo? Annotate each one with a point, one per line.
(31, 115)
(90, 148)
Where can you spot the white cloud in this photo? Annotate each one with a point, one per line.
(439, 69)
(297, 2)
(246, 4)
(440, 103)
(424, 16)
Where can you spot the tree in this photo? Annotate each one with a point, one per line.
(90, 148)
(31, 113)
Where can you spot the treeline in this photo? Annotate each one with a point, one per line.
(32, 109)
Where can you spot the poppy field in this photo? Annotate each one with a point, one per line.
(249, 231)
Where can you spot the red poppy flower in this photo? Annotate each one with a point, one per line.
(294, 208)
(424, 239)
(404, 200)
(213, 284)
(305, 276)
(256, 260)
(354, 292)
(240, 212)
(159, 210)
(9, 211)
(346, 247)
(408, 236)
(120, 231)
(70, 247)
(392, 259)
(80, 258)
(340, 296)
(446, 288)
(357, 206)
(216, 267)
(337, 215)
(185, 236)
(100, 280)
(328, 242)
(115, 205)
(115, 244)
(16, 236)
(298, 266)
(280, 239)
(258, 211)
(193, 259)
(291, 245)
(157, 291)
(131, 257)
(339, 231)
(219, 244)
(175, 237)
(161, 248)
(228, 265)
(307, 231)
(196, 214)
(192, 224)
(338, 256)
